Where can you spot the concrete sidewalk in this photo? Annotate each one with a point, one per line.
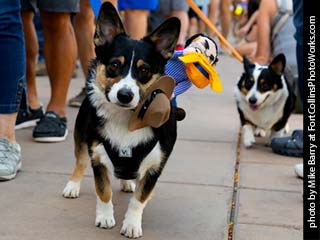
(193, 197)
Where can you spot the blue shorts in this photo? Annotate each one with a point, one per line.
(137, 4)
(12, 57)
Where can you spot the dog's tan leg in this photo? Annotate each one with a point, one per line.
(72, 189)
(104, 208)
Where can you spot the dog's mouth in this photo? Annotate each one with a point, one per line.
(255, 107)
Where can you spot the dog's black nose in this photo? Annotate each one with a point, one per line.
(125, 95)
(253, 100)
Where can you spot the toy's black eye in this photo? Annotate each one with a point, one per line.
(113, 68)
(198, 50)
(144, 73)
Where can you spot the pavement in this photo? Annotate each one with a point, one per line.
(212, 188)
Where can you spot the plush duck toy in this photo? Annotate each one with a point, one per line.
(199, 57)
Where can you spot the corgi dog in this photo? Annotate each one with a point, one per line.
(264, 100)
(118, 79)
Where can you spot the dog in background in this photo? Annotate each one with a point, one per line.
(119, 78)
(264, 99)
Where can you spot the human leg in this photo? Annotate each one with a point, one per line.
(225, 16)
(179, 9)
(31, 43)
(60, 52)
(12, 85)
(134, 18)
(84, 31)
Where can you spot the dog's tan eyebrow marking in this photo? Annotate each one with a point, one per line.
(140, 63)
(102, 81)
(121, 59)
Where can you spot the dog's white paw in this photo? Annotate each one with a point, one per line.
(248, 142)
(127, 185)
(248, 136)
(103, 221)
(131, 228)
(71, 190)
(259, 132)
(104, 214)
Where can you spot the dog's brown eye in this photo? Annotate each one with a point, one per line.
(113, 69)
(265, 87)
(144, 73)
(248, 83)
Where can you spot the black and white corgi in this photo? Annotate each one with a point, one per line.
(119, 77)
(264, 100)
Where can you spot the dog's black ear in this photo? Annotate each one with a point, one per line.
(108, 25)
(278, 64)
(165, 37)
(248, 66)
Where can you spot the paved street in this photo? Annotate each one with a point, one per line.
(193, 198)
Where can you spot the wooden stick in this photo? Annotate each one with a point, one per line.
(206, 20)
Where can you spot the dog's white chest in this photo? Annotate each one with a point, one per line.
(267, 116)
(116, 131)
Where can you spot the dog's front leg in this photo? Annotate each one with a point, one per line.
(133, 219)
(72, 189)
(104, 208)
(248, 135)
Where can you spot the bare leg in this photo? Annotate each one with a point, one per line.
(225, 16)
(213, 16)
(136, 22)
(60, 51)
(7, 124)
(184, 19)
(193, 26)
(84, 30)
(32, 49)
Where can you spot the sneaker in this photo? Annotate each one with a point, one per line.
(51, 128)
(41, 69)
(289, 146)
(77, 100)
(298, 169)
(10, 159)
(28, 117)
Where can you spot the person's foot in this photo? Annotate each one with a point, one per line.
(28, 117)
(51, 128)
(289, 146)
(78, 99)
(298, 169)
(10, 159)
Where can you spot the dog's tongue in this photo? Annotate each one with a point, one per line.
(253, 107)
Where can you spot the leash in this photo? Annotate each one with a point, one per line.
(206, 20)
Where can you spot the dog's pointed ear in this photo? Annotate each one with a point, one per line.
(165, 37)
(108, 25)
(248, 65)
(278, 64)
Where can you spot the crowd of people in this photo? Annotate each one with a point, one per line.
(66, 33)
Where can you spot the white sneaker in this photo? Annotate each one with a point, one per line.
(10, 159)
(298, 168)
